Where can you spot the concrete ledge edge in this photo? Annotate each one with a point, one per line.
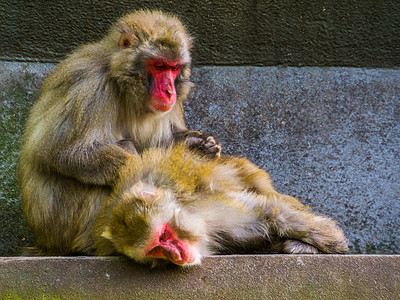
(219, 277)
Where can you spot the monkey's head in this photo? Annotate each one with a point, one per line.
(148, 226)
(152, 58)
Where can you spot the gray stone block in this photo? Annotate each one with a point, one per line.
(328, 277)
(329, 136)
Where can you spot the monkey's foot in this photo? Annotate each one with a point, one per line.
(298, 247)
(326, 236)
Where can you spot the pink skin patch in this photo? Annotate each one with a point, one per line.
(163, 93)
(167, 245)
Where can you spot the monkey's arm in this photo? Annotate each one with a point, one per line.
(206, 144)
(202, 142)
(94, 163)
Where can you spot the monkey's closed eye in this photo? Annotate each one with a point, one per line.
(162, 237)
(160, 67)
(123, 223)
(176, 68)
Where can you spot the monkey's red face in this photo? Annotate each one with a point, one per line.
(162, 85)
(167, 245)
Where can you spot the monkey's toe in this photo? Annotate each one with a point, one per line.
(298, 247)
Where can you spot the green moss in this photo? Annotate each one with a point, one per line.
(18, 91)
(18, 296)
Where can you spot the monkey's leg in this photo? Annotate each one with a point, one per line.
(288, 218)
(199, 141)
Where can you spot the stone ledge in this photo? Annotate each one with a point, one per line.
(219, 277)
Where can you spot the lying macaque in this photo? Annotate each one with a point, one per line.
(174, 205)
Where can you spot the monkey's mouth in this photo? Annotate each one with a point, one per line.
(168, 246)
(171, 253)
(160, 106)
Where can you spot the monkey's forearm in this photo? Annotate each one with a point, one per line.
(91, 164)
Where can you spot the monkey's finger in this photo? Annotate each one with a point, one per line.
(214, 151)
(212, 140)
(210, 144)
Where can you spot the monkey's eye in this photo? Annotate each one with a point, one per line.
(160, 67)
(162, 237)
(176, 68)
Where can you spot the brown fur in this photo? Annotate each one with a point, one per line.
(225, 205)
(92, 114)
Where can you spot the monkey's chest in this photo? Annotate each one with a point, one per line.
(148, 134)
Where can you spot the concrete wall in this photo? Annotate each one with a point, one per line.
(296, 33)
(327, 133)
(329, 136)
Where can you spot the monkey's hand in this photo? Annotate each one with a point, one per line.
(208, 145)
(127, 145)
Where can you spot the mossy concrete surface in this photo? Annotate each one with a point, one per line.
(18, 89)
(329, 136)
(328, 277)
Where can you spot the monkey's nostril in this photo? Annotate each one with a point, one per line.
(169, 93)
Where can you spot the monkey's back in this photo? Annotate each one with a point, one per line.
(58, 206)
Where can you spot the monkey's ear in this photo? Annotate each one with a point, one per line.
(142, 191)
(126, 39)
(107, 233)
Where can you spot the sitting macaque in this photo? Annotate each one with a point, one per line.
(106, 102)
(173, 205)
